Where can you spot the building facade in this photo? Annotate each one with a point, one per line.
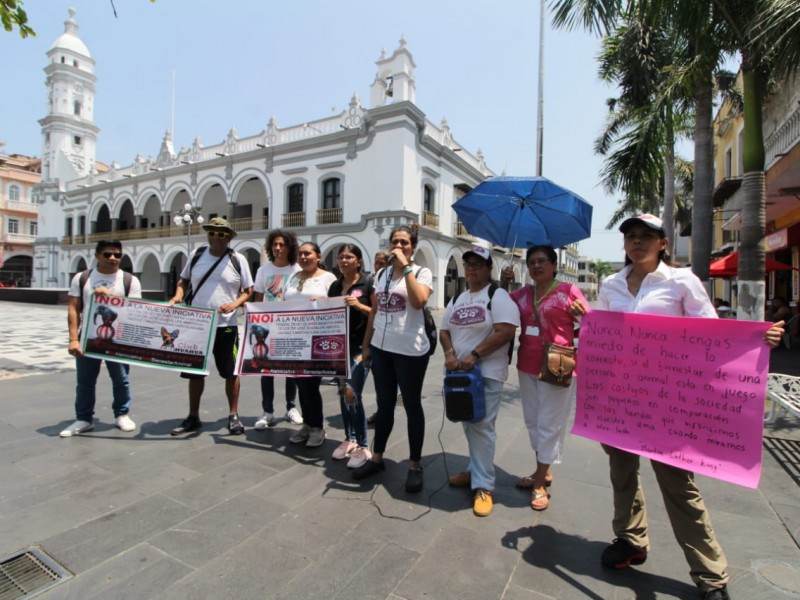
(348, 178)
(19, 216)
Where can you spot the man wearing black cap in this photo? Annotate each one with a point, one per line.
(218, 278)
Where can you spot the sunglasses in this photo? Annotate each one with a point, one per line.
(220, 234)
(116, 255)
(474, 266)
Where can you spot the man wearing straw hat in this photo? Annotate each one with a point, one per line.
(217, 278)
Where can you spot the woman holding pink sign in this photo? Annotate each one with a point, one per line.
(650, 284)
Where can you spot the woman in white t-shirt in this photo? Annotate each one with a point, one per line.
(310, 282)
(271, 280)
(476, 330)
(396, 343)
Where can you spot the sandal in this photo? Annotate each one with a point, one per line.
(540, 501)
(527, 482)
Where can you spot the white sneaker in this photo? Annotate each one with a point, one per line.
(301, 435)
(344, 450)
(265, 420)
(293, 415)
(76, 428)
(358, 457)
(125, 423)
(316, 437)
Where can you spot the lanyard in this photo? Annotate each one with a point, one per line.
(537, 303)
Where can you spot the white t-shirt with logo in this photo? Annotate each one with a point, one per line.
(271, 280)
(398, 326)
(469, 323)
(222, 286)
(314, 287)
(112, 281)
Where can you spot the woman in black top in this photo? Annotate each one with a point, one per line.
(356, 288)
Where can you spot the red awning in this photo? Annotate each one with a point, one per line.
(728, 266)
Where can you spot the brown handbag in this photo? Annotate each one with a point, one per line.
(558, 364)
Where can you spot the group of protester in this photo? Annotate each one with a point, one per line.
(387, 334)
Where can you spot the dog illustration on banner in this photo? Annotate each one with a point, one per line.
(168, 338)
(107, 316)
(260, 350)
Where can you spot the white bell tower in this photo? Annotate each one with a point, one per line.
(69, 135)
(394, 81)
(69, 143)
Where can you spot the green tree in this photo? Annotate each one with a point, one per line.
(12, 15)
(652, 109)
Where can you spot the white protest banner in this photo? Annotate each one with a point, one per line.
(149, 333)
(297, 337)
(683, 391)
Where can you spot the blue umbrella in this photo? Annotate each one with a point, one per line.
(519, 212)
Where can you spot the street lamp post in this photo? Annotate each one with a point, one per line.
(188, 216)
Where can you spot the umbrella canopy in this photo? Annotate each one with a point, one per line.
(728, 266)
(519, 212)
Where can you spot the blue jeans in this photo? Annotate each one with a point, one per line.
(390, 370)
(482, 437)
(88, 370)
(268, 393)
(354, 418)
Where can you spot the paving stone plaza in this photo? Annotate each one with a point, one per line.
(147, 515)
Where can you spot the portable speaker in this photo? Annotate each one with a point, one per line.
(463, 396)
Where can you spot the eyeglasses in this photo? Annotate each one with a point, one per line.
(473, 266)
(219, 234)
(346, 257)
(116, 255)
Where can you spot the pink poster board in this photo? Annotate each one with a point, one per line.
(687, 392)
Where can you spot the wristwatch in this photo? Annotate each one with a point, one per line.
(476, 355)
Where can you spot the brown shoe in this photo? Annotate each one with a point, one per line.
(527, 482)
(460, 479)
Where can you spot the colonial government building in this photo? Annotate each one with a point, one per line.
(346, 178)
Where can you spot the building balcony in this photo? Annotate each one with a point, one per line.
(430, 219)
(461, 231)
(328, 216)
(294, 219)
(19, 238)
(21, 207)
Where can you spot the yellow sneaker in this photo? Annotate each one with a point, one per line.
(482, 506)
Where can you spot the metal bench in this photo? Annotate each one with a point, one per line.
(782, 391)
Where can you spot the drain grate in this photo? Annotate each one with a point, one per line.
(28, 573)
(787, 453)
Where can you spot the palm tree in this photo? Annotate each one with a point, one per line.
(639, 138)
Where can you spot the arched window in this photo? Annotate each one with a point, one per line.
(429, 199)
(331, 193)
(76, 108)
(295, 200)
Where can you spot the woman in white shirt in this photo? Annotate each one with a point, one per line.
(270, 283)
(650, 284)
(310, 282)
(477, 328)
(396, 342)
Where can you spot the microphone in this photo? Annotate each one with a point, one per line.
(390, 259)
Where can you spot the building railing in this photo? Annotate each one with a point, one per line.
(783, 138)
(25, 207)
(430, 219)
(295, 219)
(328, 216)
(461, 231)
(19, 238)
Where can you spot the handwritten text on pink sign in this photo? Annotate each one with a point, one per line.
(683, 391)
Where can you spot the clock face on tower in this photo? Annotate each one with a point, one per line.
(78, 88)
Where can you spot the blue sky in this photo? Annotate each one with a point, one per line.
(238, 63)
